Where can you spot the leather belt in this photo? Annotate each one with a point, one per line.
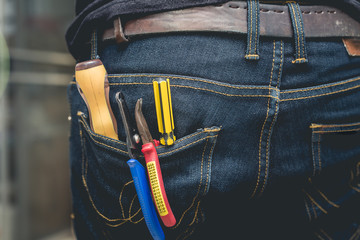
(231, 17)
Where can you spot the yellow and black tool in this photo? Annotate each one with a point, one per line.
(164, 111)
(93, 85)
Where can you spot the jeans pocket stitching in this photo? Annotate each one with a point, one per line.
(84, 177)
(196, 199)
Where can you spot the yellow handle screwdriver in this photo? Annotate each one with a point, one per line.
(164, 111)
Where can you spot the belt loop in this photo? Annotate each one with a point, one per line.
(118, 31)
(299, 34)
(94, 45)
(253, 29)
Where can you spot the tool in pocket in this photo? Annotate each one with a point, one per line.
(164, 111)
(138, 172)
(93, 86)
(153, 167)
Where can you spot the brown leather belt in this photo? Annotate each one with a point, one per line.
(231, 17)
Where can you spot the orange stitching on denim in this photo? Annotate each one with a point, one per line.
(281, 63)
(98, 135)
(315, 125)
(183, 78)
(115, 225)
(317, 234)
(325, 234)
(177, 149)
(312, 200)
(208, 167)
(307, 209)
(120, 197)
(195, 215)
(83, 176)
(356, 234)
(301, 30)
(351, 182)
(319, 153)
(201, 89)
(272, 124)
(267, 148)
(313, 155)
(130, 208)
(321, 87)
(199, 187)
(299, 60)
(263, 126)
(103, 144)
(320, 95)
(251, 23)
(314, 210)
(256, 25)
(297, 30)
(323, 195)
(343, 130)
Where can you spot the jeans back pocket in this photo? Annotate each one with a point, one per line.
(186, 169)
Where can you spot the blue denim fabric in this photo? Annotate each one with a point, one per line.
(266, 149)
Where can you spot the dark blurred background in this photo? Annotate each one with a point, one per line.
(35, 199)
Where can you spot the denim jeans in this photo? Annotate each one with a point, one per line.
(265, 149)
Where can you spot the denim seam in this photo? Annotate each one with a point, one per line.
(208, 175)
(160, 154)
(131, 216)
(226, 94)
(84, 174)
(320, 87)
(120, 197)
(321, 95)
(325, 234)
(100, 143)
(298, 28)
(323, 195)
(313, 201)
(319, 153)
(186, 78)
(335, 131)
(263, 126)
(316, 152)
(174, 77)
(314, 125)
(273, 121)
(356, 234)
(307, 209)
(199, 187)
(319, 237)
(253, 11)
(98, 135)
(313, 153)
(351, 182)
(313, 208)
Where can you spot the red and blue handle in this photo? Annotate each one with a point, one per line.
(157, 185)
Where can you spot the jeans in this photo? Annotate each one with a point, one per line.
(265, 149)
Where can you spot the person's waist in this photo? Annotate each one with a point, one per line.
(231, 17)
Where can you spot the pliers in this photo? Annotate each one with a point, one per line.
(138, 172)
(153, 167)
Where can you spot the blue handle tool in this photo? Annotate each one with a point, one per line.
(144, 195)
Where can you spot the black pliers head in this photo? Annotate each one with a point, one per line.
(132, 136)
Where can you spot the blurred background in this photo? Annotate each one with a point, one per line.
(35, 200)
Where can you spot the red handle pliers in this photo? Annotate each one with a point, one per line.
(153, 169)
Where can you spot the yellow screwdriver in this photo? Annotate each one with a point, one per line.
(164, 111)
